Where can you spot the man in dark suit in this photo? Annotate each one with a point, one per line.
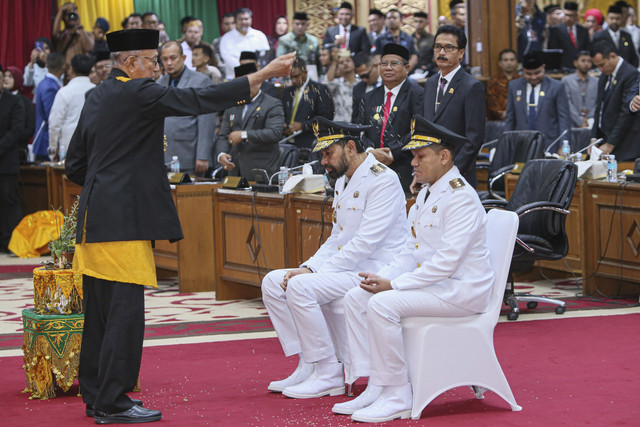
(12, 116)
(570, 36)
(388, 110)
(621, 39)
(116, 156)
(537, 102)
(250, 133)
(369, 74)
(346, 35)
(613, 121)
(455, 100)
(190, 137)
(302, 101)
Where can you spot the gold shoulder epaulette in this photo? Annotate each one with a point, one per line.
(123, 79)
(378, 168)
(456, 183)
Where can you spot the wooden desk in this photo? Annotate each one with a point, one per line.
(573, 226)
(250, 237)
(34, 188)
(611, 261)
(193, 257)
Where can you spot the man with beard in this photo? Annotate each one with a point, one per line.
(369, 228)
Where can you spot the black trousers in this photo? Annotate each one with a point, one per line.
(10, 208)
(111, 343)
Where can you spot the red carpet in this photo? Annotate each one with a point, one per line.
(17, 268)
(564, 372)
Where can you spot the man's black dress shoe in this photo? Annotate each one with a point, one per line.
(136, 414)
(91, 411)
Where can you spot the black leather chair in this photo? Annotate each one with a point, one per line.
(289, 155)
(541, 199)
(580, 138)
(512, 147)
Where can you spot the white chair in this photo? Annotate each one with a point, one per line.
(447, 352)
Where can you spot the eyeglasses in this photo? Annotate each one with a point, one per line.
(154, 60)
(366, 75)
(447, 47)
(392, 64)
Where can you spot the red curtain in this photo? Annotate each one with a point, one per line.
(21, 23)
(264, 12)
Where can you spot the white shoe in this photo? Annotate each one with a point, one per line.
(370, 395)
(327, 379)
(302, 372)
(394, 402)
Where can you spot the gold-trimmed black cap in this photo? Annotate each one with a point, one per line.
(425, 133)
(136, 39)
(244, 69)
(328, 132)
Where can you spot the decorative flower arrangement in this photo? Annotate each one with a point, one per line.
(63, 247)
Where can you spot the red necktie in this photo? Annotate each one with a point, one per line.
(573, 38)
(344, 45)
(385, 117)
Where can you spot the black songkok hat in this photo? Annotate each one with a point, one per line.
(244, 55)
(425, 133)
(136, 39)
(551, 8)
(532, 60)
(328, 132)
(101, 55)
(396, 49)
(420, 15)
(615, 9)
(301, 16)
(244, 69)
(570, 5)
(345, 5)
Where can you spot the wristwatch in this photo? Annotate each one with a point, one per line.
(244, 135)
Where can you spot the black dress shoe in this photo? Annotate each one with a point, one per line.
(91, 411)
(136, 414)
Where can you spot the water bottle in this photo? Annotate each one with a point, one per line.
(566, 149)
(612, 169)
(283, 176)
(62, 152)
(175, 164)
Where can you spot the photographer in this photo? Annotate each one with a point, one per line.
(73, 40)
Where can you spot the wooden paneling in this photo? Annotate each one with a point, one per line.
(306, 230)
(491, 27)
(611, 238)
(250, 241)
(34, 188)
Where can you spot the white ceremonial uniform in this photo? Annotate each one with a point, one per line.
(370, 228)
(443, 270)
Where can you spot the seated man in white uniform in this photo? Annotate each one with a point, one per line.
(443, 270)
(369, 228)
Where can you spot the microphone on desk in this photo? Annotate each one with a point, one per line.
(546, 150)
(293, 168)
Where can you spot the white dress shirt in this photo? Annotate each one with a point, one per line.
(233, 43)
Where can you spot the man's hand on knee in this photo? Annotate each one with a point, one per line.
(374, 283)
(292, 273)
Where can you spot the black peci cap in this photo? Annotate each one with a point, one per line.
(396, 49)
(532, 60)
(244, 55)
(301, 16)
(244, 69)
(136, 39)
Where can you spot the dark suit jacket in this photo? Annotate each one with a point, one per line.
(552, 112)
(116, 155)
(408, 103)
(462, 110)
(263, 121)
(559, 38)
(619, 127)
(626, 49)
(315, 101)
(189, 137)
(358, 38)
(11, 129)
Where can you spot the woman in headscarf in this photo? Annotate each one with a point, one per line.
(13, 83)
(593, 21)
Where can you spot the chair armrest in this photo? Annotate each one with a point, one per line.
(483, 166)
(489, 145)
(540, 206)
(492, 204)
(500, 173)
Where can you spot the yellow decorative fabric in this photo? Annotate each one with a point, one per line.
(113, 10)
(129, 262)
(32, 235)
(51, 348)
(57, 291)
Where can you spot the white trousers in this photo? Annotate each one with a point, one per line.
(374, 330)
(297, 314)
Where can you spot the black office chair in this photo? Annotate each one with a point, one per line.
(518, 146)
(580, 138)
(289, 155)
(541, 199)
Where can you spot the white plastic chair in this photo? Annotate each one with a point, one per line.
(447, 352)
